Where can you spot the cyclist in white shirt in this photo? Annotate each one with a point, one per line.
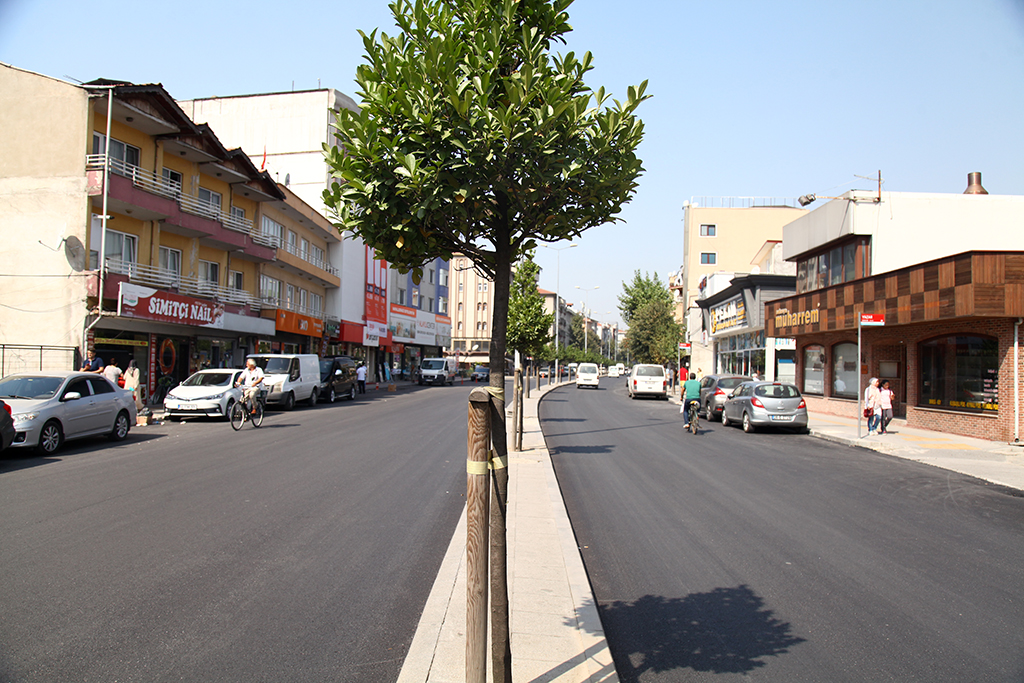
(251, 379)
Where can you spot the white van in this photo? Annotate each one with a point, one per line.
(438, 371)
(587, 375)
(290, 377)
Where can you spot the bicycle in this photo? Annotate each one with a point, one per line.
(241, 413)
(693, 417)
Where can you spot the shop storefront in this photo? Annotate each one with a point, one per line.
(422, 335)
(294, 333)
(734, 321)
(170, 336)
(947, 344)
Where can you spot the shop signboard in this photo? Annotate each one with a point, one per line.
(290, 321)
(729, 316)
(403, 324)
(376, 296)
(135, 301)
(443, 332)
(426, 329)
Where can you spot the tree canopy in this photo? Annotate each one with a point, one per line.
(646, 306)
(642, 290)
(528, 325)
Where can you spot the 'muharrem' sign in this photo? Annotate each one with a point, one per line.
(785, 318)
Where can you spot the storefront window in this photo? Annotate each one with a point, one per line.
(844, 371)
(960, 372)
(814, 370)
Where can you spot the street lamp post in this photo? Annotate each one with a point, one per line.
(586, 307)
(558, 303)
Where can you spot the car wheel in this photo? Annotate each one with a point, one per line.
(50, 438)
(121, 427)
(289, 401)
(747, 426)
(725, 418)
(314, 396)
(331, 396)
(352, 393)
(227, 410)
(709, 414)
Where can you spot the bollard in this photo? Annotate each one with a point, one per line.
(477, 533)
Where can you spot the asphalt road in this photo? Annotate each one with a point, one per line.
(780, 557)
(300, 551)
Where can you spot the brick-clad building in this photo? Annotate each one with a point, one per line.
(950, 344)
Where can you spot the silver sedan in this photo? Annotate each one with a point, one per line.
(765, 404)
(49, 407)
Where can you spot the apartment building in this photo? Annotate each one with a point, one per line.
(129, 227)
(722, 234)
(295, 286)
(563, 321)
(472, 296)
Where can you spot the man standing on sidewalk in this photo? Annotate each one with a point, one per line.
(361, 377)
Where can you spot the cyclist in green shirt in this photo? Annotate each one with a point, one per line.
(691, 394)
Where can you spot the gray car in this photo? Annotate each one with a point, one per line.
(50, 407)
(7, 431)
(714, 389)
(765, 404)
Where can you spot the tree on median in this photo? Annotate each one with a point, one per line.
(472, 137)
(528, 325)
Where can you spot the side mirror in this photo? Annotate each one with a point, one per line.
(731, 394)
(338, 372)
(71, 396)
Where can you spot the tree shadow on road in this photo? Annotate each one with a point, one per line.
(726, 630)
(581, 450)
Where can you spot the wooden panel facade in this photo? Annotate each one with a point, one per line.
(972, 284)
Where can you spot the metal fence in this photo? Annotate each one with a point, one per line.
(27, 358)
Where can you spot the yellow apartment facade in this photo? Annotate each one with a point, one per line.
(134, 231)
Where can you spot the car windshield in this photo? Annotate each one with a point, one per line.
(776, 391)
(588, 368)
(27, 386)
(325, 369)
(650, 371)
(273, 366)
(433, 364)
(481, 368)
(209, 379)
(730, 382)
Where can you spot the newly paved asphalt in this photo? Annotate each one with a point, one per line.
(781, 557)
(301, 551)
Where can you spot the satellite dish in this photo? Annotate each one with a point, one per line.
(74, 252)
(756, 270)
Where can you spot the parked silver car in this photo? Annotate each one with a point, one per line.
(714, 389)
(765, 404)
(209, 393)
(49, 407)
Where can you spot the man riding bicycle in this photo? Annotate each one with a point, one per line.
(251, 379)
(691, 396)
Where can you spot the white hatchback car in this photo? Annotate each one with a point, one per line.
(587, 375)
(207, 392)
(647, 380)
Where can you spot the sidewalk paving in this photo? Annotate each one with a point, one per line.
(555, 628)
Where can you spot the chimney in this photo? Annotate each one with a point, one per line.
(974, 184)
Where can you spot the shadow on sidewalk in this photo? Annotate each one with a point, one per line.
(726, 630)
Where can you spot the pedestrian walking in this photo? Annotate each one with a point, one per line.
(131, 382)
(886, 396)
(361, 377)
(873, 406)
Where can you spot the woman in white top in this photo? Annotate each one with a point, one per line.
(873, 402)
(131, 382)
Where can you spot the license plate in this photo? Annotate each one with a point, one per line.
(782, 418)
(187, 406)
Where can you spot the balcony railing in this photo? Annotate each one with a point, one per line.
(158, 185)
(275, 302)
(294, 250)
(189, 286)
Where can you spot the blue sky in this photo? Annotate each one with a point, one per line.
(749, 98)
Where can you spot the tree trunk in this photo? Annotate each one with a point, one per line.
(501, 649)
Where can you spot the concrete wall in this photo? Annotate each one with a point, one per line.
(43, 202)
(908, 228)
